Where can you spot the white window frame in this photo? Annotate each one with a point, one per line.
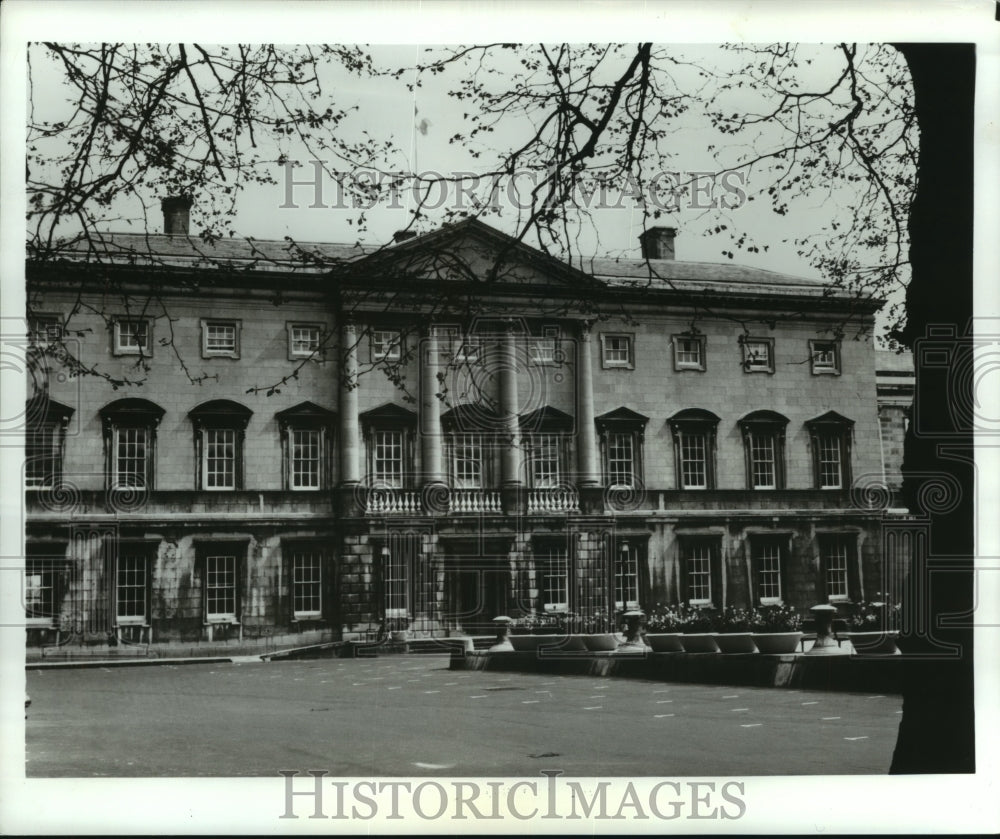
(116, 456)
(204, 465)
(768, 564)
(47, 571)
(396, 439)
(626, 576)
(546, 448)
(397, 584)
(128, 556)
(294, 475)
(835, 546)
(207, 325)
(232, 560)
(124, 338)
(613, 438)
(554, 582)
(386, 344)
(313, 348)
(44, 330)
(825, 357)
(307, 571)
(43, 448)
(626, 363)
(755, 440)
(825, 441)
(752, 363)
(467, 449)
(693, 554)
(684, 440)
(545, 348)
(681, 363)
(468, 349)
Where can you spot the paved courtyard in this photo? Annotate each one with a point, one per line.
(411, 716)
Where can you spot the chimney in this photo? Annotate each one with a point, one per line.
(658, 243)
(403, 235)
(176, 215)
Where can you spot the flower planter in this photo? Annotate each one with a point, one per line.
(399, 636)
(777, 643)
(546, 643)
(563, 644)
(602, 642)
(664, 642)
(699, 642)
(735, 642)
(873, 643)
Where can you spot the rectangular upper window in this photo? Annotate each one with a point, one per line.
(44, 329)
(544, 348)
(220, 338)
(825, 357)
(386, 344)
(689, 352)
(133, 337)
(617, 351)
(758, 355)
(304, 340)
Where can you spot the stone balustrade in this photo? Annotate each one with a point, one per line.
(393, 502)
(559, 500)
(474, 501)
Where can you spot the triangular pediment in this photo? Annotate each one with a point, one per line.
(306, 412)
(471, 252)
(546, 418)
(622, 416)
(830, 418)
(471, 417)
(389, 413)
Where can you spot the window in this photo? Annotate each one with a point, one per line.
(389, 438)
(45, 433)
(694, 432)
(467, 461)
(830, 437)
(220, 428)
(621, 432)
(835, 552)
(616, 351)
(699, 570)
(307, 582)
(545, 348)
(396, 578)
(825, 357)
(306, 434)
(220, 587)
(132, 585)
(468, 350)
(220, 338)
(545, 456)
(44, 329)
(133, 336)
(305, 340)
(131, 457)
(764, 444)
(758, 355)
(129, 427)
(45, 584)
(689, 352)
(386, 344)
(554, 583)
(767, 559)
(627, 576)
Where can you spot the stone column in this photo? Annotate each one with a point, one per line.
(512, 485)
(350, 431)
(430, 411)
(588, 471)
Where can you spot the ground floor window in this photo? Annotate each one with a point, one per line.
(131, 587)
(42, 590)
(395, 570)
(835, 551)
(768, 555)
(307, 579)
(700, 570)
(554, 570)
(220, 587)
(627, 576)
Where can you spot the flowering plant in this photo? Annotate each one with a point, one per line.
(775, 619)
(532, 622)
(733, 619)
(694, 619)
(663, 618)
(879, 615)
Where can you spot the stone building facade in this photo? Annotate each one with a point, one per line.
(328, 443)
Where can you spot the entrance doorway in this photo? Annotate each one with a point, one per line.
(476, 591)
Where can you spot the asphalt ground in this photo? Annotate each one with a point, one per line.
(412, 716)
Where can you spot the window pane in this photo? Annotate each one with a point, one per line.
(758, 355)
(467, 461)
(305, 460)
(694, 470)
(396, 587)
(768, 571)
(616, 349)
(305, 340)
(131, 593)
(699, 572)
(220, 458)
(42, 455)
(545, 460)
(306, 583)
(829, 462)
(220, 337)
(132, 334)
(385, 344)
(627, 577)
(835, 566)
(762, 461)
(620, 461)
(555, 579)
(689, 351)
(387, 459)
(220, 586)
(40, 589)
(130, 457)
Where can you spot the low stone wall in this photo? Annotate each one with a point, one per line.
(833, 672)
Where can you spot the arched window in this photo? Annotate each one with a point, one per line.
(306, 443)
(830, 436)
(129, 428)
(694, 433)
(764, 446)
(219, 432)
